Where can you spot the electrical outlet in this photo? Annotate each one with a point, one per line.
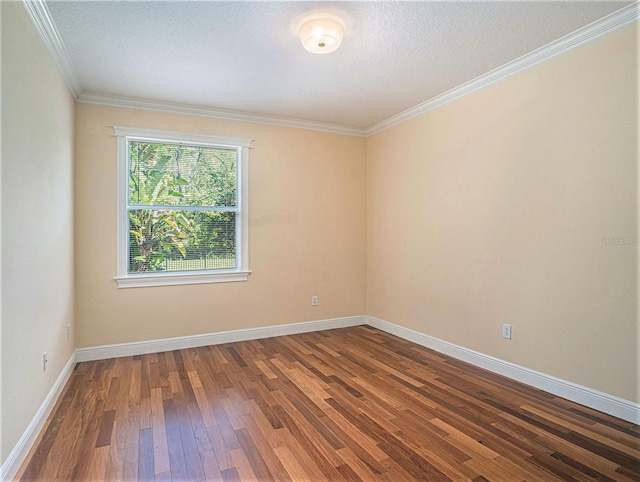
(314, 301)
(45, 360)
(506, 332)
(68, 331)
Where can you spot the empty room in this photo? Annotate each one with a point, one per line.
(319, 241)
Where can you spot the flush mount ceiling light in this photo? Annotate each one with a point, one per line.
(321, 33)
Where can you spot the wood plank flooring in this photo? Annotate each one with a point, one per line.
(349, 404)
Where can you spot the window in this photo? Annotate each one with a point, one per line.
(182, 208)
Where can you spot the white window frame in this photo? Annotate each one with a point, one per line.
(134, 280)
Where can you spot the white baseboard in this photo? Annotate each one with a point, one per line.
(21, 450)
(180, 343)
(597, 400)
(15, 459)
(589, 397)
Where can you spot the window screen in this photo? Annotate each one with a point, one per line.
(182, 207)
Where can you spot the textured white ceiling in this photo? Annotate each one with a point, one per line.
(245, 56)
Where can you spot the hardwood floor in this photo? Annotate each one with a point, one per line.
(348, 404)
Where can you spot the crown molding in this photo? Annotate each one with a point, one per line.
(144, 104)
(39, 13)
(41, 18)
(590, 32)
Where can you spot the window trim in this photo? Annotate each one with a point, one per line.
(136, 280)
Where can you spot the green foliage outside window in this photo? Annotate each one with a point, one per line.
(187, 189)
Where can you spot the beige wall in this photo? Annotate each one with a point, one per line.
(2, 456)
(307, 234)
(493, 209)
(37, 222)
(489, 210)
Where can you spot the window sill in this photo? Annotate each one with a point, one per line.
(173, 279)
